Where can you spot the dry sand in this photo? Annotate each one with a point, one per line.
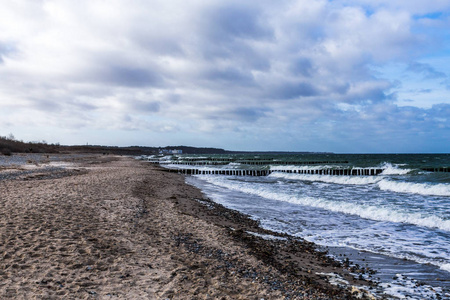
(117, 228)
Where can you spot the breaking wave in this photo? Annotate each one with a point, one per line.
(354, 180)
(440, 189)
(372, 212)
(393, 169)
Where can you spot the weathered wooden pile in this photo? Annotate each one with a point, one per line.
(240, 172)
(439, 169)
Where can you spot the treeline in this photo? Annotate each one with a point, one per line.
(8, 145)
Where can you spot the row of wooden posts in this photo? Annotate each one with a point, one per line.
(226, 161)
(442, 169)
(246, 162)
(335, 172)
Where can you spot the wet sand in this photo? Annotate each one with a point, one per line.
(107, 227)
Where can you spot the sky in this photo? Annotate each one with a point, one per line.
(347, 76)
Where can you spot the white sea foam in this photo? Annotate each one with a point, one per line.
(267, 236)
(440, 189)
(183, 167)
(393, 169)
(392, 249)
(388, 168)
(294, 167)
(406, 288)
(446, 267)
(383, 183)
(372, 212)
(353, 180)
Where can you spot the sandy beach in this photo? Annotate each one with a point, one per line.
(111, 227)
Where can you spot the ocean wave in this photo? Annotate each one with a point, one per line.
(184, 167)
(351, 180)
(295, 167)
(393, 169)
(384, 184)
(377, 213)
(440, 189)
(445, 267)
(391, 251)
(386, 214)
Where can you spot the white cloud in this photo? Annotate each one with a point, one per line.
(412, 6)
(208, 66)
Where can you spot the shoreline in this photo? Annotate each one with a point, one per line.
(114, 227)
(394, 276)
(292, 256)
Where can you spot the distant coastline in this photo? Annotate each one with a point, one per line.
(9, 145)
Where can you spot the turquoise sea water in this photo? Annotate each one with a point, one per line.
(399, 218)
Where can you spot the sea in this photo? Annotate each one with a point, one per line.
(389, 213)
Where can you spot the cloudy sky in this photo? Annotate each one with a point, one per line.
(295, 75)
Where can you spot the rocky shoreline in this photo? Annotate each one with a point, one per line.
(110, 227)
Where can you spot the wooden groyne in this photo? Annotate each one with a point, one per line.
(193, 163)
(286, 163)
(245, 162)
(235, 172)
(439, 169)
